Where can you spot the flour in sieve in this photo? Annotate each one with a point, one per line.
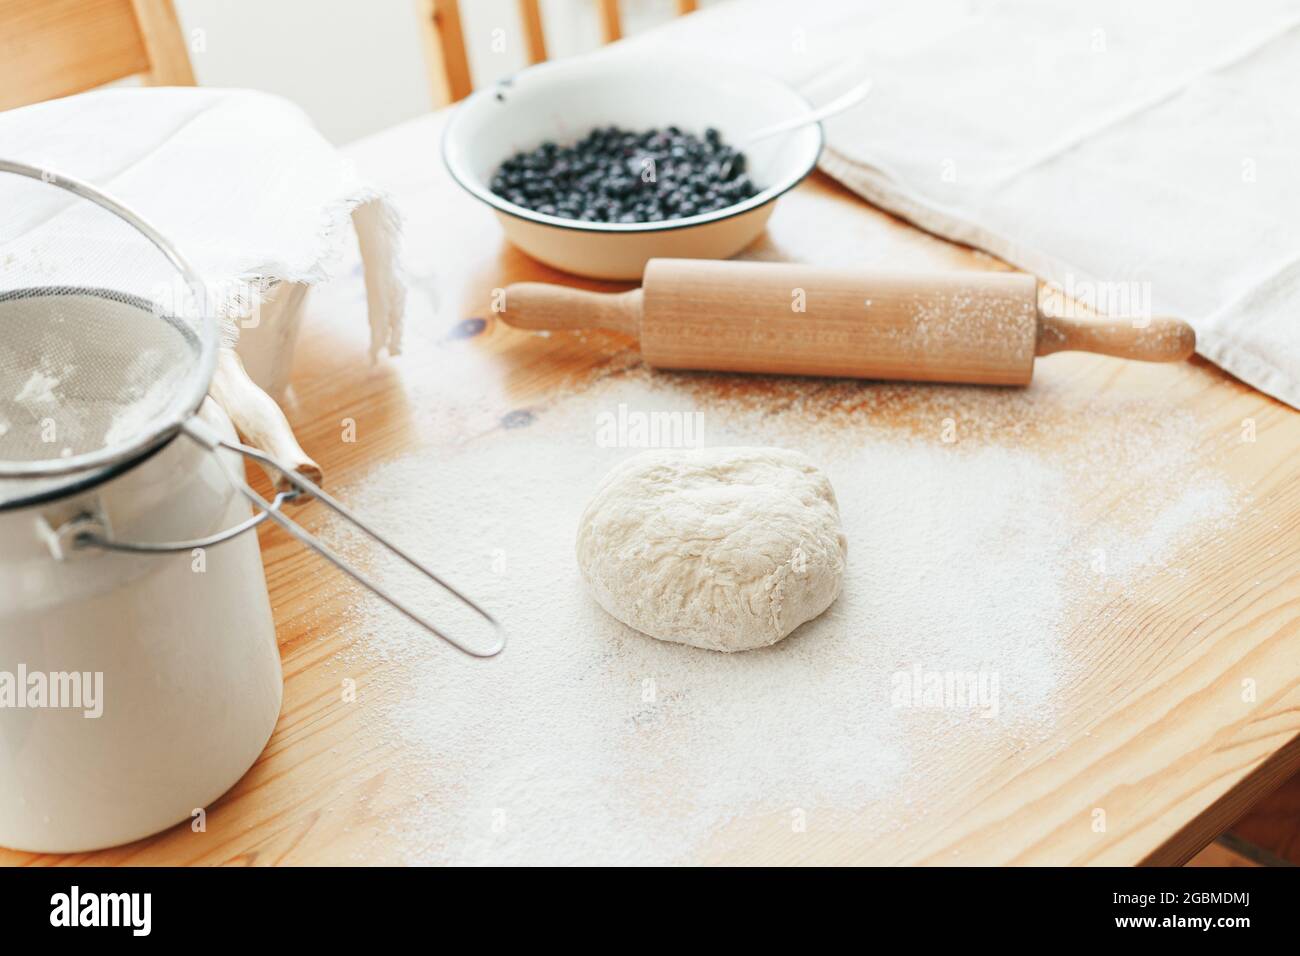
(38, 392)
(86, 408)
(588, 742)
(152, 381)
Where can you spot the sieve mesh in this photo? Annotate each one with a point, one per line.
(104, 346)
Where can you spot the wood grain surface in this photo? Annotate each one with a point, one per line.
(1157, 731)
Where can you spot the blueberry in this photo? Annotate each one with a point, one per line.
(598, 178)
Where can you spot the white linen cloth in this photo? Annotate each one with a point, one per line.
(239, 181)
(1121, 150)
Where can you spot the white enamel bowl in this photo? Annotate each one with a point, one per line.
(564, 99)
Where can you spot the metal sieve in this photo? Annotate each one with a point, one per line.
(108, 345)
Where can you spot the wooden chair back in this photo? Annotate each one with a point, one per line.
(449, 63)
(53, 48)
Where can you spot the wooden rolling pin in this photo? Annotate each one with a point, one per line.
(982, 327)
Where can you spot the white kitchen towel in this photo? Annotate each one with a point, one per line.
(239, 181)
(1137, 154)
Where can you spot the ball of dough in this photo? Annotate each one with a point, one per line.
(722, 548)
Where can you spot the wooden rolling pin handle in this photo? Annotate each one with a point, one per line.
(259, 419)
(1158, 339)
(538, 305)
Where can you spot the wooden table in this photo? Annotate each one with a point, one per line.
(1158, 734)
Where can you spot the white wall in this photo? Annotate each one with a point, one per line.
(354, 66)
(358, 66)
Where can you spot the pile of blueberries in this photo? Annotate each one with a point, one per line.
(614, 175)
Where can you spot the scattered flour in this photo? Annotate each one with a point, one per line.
(588, 742)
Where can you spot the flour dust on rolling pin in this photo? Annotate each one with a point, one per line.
(789, 318)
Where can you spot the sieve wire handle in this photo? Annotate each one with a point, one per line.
(201, 433)
(87, 532)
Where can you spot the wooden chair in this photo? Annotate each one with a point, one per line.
(450, 64)
(53, 48)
